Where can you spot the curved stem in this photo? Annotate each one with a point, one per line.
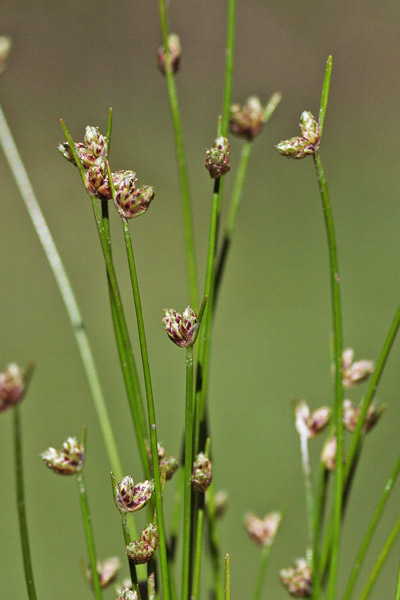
(370, 531)
(381, 561)
(338, 402)
(66, 291)
(181, 162)
(150, 409)
(23, 526)
(89, 536)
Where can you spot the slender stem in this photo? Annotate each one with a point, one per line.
(397, 597)
(310, 504)
(66, 291)
(322, 485)
(150, 409)
(130, 373)
(325, 93)
(229, 54)
(381, 561)
(188, 474)
(265, 552)
(227, 577)
(89, 535)
(338, 403)
(181, 162)
(358, 436)
(370, 531)
(198, 543)
(176, 513)
(23, 526)
(127, 540)
(213, 540)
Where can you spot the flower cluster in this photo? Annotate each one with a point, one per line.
(131, 497)
(248, 120)
(107, 569)
(263, 531)
(202, 472)
(168, 462)
(67, 461)
(130, 201)
(174, 47)
(310, 424)
(181, 328)
(306, 144)
(355, 372)
(12, 386)
(142, 550)
(298, 579)
(217, 158)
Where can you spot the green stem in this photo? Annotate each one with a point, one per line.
(150, 409)
(357, 437)
(322, 485)
(338, 402)
(397, 597)
(23, 526)
(229, 54)
(66, 291)
(213, 540)
(227, 577)
(127, 540)
(198, 543)
(265, 552)
(188, 475)
(370, 531)
(128, 368)
(310, 503)
(89, 536)
(181, 162)
(381, 560)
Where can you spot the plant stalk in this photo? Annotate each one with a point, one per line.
(188, 475)
(89, 536)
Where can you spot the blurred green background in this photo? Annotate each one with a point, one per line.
(271, 339)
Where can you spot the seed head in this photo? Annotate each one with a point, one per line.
(5, 47)
(127, 594)
(181, 328)
(92, 151)
(174, 46)
(306, 144)
(217, 158)
(169, 462)
(142, 551)
(297, 580)
(355, 372)
(107, 569)
(310, 424)
(97, 181)
(351, 414)
(131, 201)
(263, 531)
(67, 461)
(202, 473)
(248, 120)
(12, 386)
(131, 497)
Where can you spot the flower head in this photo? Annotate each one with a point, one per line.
(355, 372)
(306, 144)
(168, 462)
(351, 415)
(67, 461)
(263, 531)
(248, 120)
(328, 455)
(131, 201)
(127, 594)
(217, 158)
(298, 579)
(107, 569)
(131, 497)
(310, 424)
(174, 47)
(91, 152)
(202, 472)
(181, 328)
(142, 550)
(12, 386)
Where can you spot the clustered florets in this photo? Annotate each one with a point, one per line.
(306, 144)
(130, 201)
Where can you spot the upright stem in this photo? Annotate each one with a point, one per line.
(397, 597)
(181, 161)
(227, 577)
(338, 402)
(265, 552)
(213, 540)
(150, 409)
(23, 526)
(89, 536)
(370, 531)
(310, 504)
(229, 54)
(188, 475)
(127, 540)
(381, 561)
(323, 478)
(66, 291)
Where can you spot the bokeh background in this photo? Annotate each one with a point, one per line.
(271, 341)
